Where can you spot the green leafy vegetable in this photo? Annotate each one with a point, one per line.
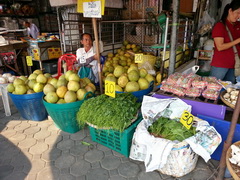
(170, 129)
(107, 112)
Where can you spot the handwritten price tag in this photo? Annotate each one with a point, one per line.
(110, 88)
(187, 119)
(29, 60)
(138, 58)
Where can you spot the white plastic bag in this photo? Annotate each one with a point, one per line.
(193, 69)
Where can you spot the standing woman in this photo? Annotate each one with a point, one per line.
(223, 58)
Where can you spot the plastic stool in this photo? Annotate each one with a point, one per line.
(3, 90)
(70, 60)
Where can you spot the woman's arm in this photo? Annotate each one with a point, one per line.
(220, 45)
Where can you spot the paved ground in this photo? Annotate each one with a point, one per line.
(38, 150)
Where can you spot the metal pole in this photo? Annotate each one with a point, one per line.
(94, 22)
(228, 142)
(174, 38)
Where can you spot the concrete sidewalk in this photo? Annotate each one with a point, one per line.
(39, 150)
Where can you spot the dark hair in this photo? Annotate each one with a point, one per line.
(86, 34)
(234, 5)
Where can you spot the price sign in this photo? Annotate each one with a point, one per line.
(138, 58)
(187, 119)
(29, 60)
(92, 9)
(110, 88)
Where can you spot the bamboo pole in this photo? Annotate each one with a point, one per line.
(94, 22)
(228, 142)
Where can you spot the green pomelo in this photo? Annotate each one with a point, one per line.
(32, 76)
(61, 101)
(18, 82)
(133, 75)
(30, 91)
(51, 97)
(10, 87)
(38, 87)
(118, 88)
(122, 81)
(61, 91)
(132, 86)
(143, 83)
(24, 78)
(150, 78)
(54, 81)
(20, 89)
(70, 96)
(81, 93)
(41, 79)
(118, 71)
(38, 71)
(31, 83)
(62, 82)
(73, 86)
(67, 74)
(143, 72)
(74, 77)
(48, 88)
(47, 75)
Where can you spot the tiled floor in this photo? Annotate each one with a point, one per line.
(39, 150)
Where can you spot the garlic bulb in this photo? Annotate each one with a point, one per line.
(3, 80)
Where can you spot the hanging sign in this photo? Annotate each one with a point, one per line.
(29, 60)
(187, 119)
(138, 58)
(110, 88)
(91, 8)
(82, 60)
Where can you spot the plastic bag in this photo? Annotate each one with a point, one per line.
(193, 69)
(86, 72)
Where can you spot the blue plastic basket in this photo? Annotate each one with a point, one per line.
(141, 93)
(30, 106)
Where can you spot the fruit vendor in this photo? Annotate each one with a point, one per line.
(87, 58)
(223, 61)
(32, 30)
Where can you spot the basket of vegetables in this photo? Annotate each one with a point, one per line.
(112, 121)
(229, 97)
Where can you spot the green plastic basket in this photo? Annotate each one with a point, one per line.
(115, 140)
(64, 115)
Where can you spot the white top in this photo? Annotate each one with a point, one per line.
(33, 31)
(82, 55)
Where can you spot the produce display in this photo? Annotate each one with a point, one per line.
(109, 113)
(121, 69)
(170, 129)
(29, 85)
(68, 88)
(192, 85)
(6, 78)
(231, 95)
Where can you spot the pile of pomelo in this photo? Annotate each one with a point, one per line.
(121, 69)
(67, 88)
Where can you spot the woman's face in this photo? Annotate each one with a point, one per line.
(86, 41)
(233, 16)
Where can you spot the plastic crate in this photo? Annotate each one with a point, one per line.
(115, 140)
(50, 67)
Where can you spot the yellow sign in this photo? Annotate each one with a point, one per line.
(110, 88)
(80, 5)
(138, 58)
(29, 60)
(187, 119)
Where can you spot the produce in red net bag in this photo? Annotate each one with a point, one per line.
(210, 79)
(193, 92)
(173, 78)
(199, 84)
(194, 76)
(184, 82)
(210, 94)
(179, 91)
(166, 87)
(214, 86)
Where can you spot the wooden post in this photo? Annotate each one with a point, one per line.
(94, 22)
